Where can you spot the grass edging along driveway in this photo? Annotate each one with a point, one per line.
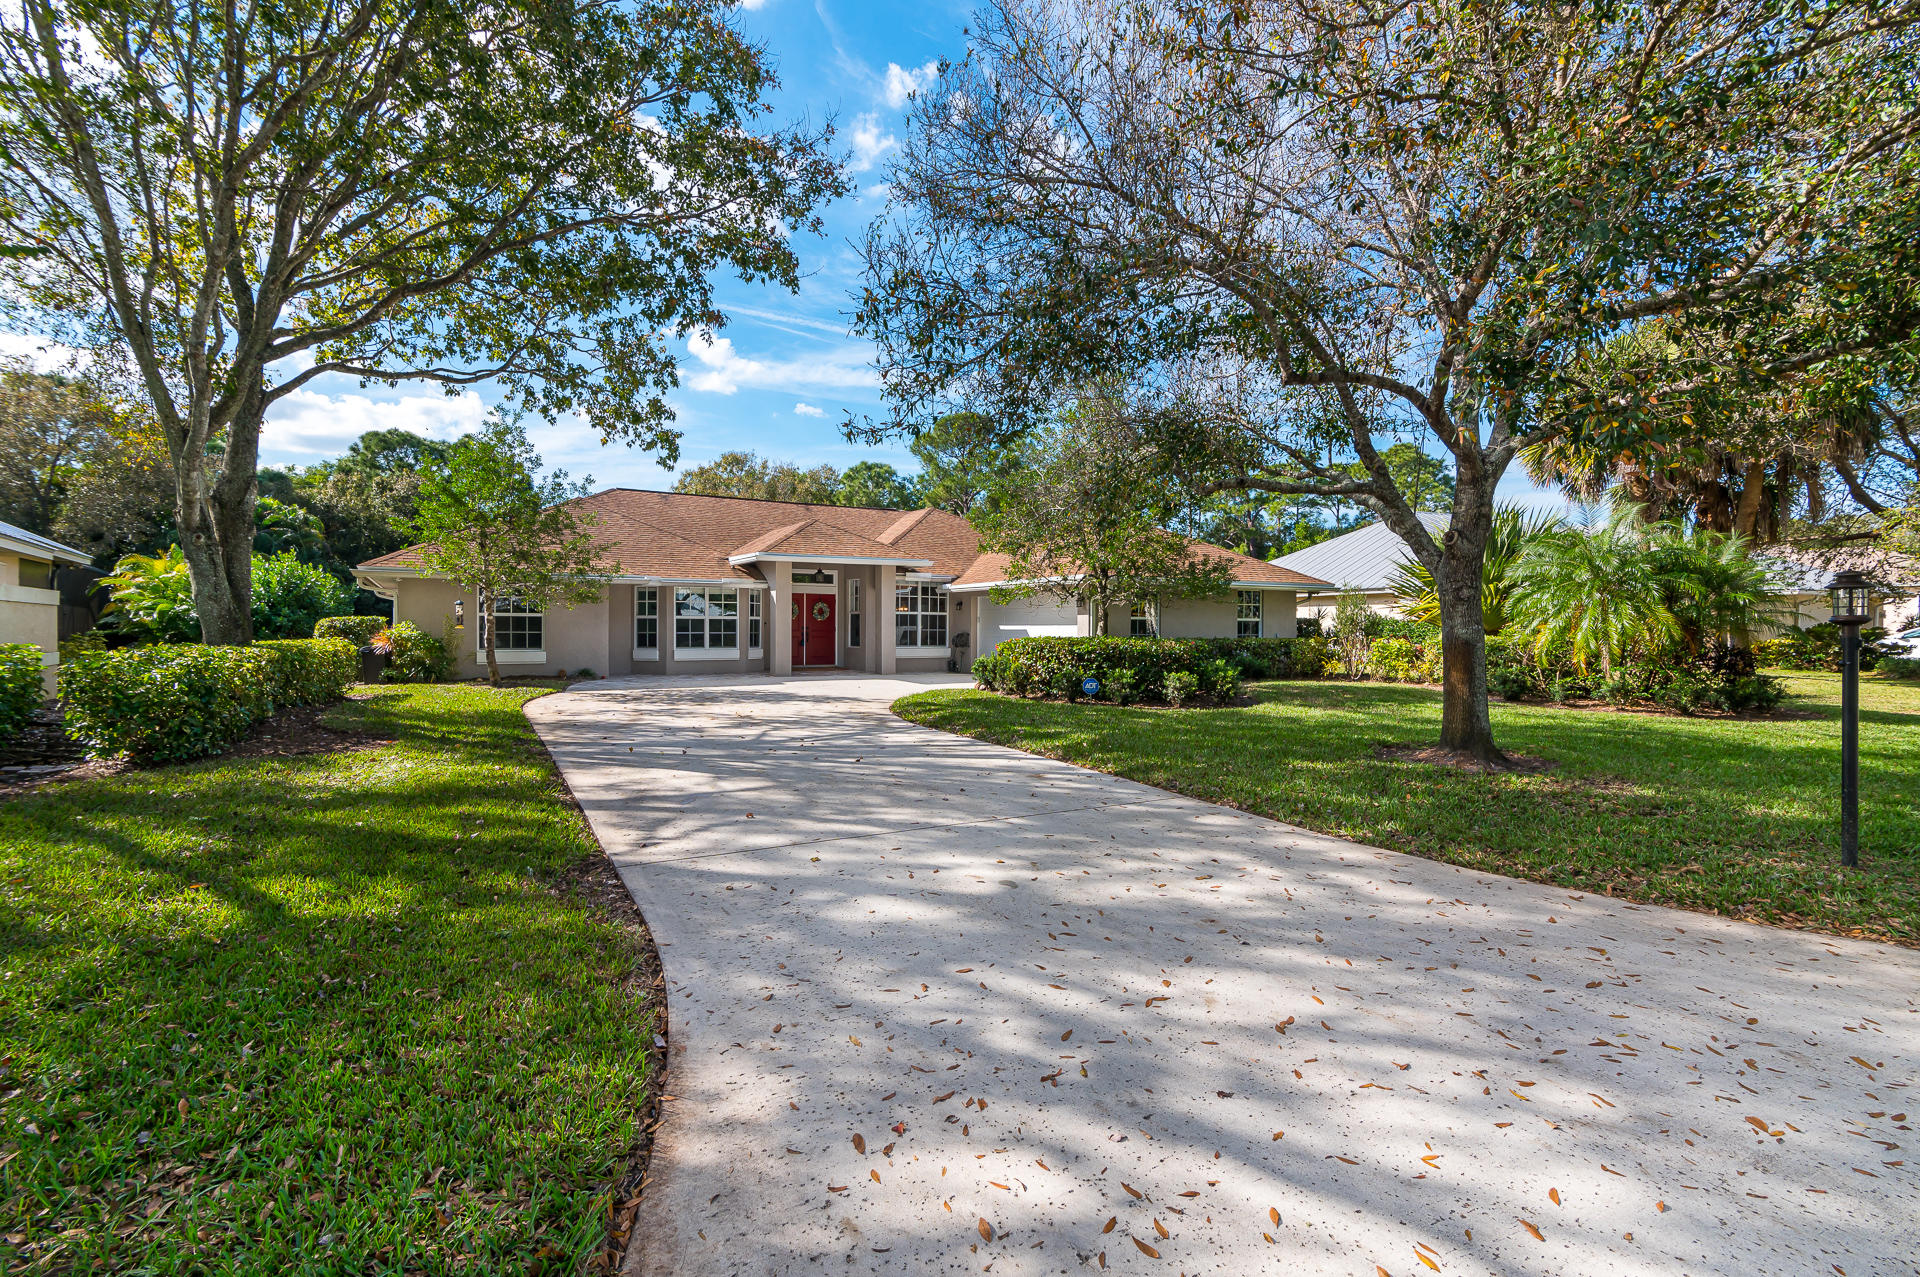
(1730, 816)
(341, 1012)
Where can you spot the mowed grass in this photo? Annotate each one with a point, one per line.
(1732, 816)
(324, 1014)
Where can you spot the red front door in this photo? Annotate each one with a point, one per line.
(813, 629)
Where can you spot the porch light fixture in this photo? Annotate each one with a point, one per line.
(1849, 592)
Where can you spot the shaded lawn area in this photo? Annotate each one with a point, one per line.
(1739, 817)
(339, 1013)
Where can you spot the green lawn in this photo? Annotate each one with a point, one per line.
(1733, 816)
(338, 1013)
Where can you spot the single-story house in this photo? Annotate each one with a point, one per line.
(29, 596)
(1369, 557)
(1803, 584)
(703, 584)
(1364, 559)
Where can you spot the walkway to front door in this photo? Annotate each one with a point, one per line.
(813, 630)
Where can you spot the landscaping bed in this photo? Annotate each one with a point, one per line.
(356, 1010)
(1737, 816)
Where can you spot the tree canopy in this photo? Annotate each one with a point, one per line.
(492, 522)
(1316, 226)
(237, 201)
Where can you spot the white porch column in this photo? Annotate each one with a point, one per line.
(778, 617)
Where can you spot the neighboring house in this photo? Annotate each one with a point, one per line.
(727, 584)
(29, 597)
(1803, 583)
(1364, 559)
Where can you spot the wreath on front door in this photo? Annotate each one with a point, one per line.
(822, 610)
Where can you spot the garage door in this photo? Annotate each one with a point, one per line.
(1023, 618)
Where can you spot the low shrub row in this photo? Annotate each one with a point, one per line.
(1719, 677)
(1815, 648)
(357, 630)
(21, 689)
(1900, 666)
(178, 701)
(1176, 671)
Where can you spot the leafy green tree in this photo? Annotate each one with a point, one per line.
(121, 500)
(875, 483)
(289, 596)
(50, 427)
(747, 474)
(240, 200)
(964, 457)
(1086, 522)
(491, 523)
(282, 526)
(1513, 530)
(1338, 222)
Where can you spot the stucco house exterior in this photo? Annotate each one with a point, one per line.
(708, 585)
(29, 598)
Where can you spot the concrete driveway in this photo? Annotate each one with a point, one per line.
(938, 1006)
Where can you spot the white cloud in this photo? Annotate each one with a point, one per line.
(724, 370)
(41, 354)
(808, 410)
(310, 425)
(904, 81)
(752, 5)
(869, 143)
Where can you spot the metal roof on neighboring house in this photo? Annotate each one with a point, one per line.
(20, 540)
(1363, 559)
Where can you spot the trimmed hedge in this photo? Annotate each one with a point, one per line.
(21, 690)
(179, 701)
(1720, 677)
(357, 630)
(1900, 666)
(1145, 669)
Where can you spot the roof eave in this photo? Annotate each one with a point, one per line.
(788, 556)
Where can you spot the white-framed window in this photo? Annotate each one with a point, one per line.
(646, 622)
(753, 620)
(706, 620)
(1247, 614)
(853, 611)
(516, 624)
(920, 616)
(1140, 621)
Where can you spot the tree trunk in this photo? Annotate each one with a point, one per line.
(216, 530)
(1465, 723)
(493, 665)
(1753, 491)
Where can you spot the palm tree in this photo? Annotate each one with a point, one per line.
(1597, 594)
(1513, 529)
(1712, 585)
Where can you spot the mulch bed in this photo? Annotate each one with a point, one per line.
(44, 754)
(1436, 756)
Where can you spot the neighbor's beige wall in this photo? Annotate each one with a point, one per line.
(30, 615)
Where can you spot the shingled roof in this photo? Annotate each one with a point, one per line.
(681, 536)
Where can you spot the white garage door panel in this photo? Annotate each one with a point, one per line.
(1024, 618)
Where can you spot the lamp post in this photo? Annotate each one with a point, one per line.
(1849, 592)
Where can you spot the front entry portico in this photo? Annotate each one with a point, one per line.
(814, 630)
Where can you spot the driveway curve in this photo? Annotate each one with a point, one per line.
(938, 1006)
